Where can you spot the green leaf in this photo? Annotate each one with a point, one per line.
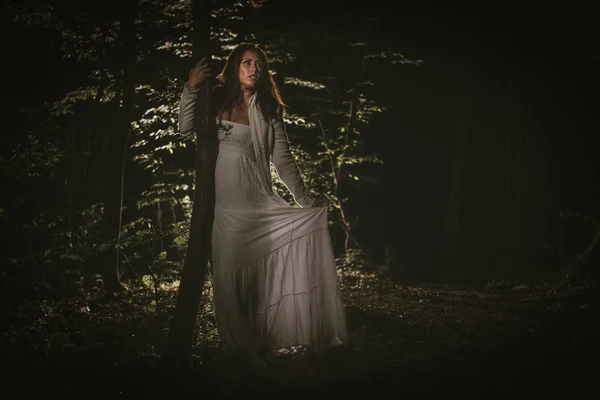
(150, 307)
(147, 280)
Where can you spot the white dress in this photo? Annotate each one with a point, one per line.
(274, 274)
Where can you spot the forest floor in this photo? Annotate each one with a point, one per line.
(412, 341)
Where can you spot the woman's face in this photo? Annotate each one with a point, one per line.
(250, 70)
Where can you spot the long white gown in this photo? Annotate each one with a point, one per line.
(274, 274)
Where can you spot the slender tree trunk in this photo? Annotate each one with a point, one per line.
(452, 223)
(508, 190)
(513, 186)
(350, 132)
(178, 348)
(117, 151)
(80, 140)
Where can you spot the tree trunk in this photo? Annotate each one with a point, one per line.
(177, 354)
(115, 169)
(514, 171)
(453, 221)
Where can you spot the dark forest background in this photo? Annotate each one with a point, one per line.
(456, 142)
(473, 155)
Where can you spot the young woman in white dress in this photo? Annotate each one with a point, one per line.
(274, 274)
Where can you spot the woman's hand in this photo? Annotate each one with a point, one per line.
(197, 75)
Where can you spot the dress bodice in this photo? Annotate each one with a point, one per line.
(234, 134)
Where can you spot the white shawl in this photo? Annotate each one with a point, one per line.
(271, 145)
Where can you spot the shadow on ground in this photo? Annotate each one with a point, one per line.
(407, 341)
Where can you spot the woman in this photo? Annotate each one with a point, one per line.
(274, 274)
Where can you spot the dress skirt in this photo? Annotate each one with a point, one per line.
(274, 274)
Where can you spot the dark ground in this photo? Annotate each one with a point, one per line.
(409, 341)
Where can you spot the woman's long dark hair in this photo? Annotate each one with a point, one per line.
(229, 92)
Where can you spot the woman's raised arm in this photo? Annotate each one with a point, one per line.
(187, 103)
